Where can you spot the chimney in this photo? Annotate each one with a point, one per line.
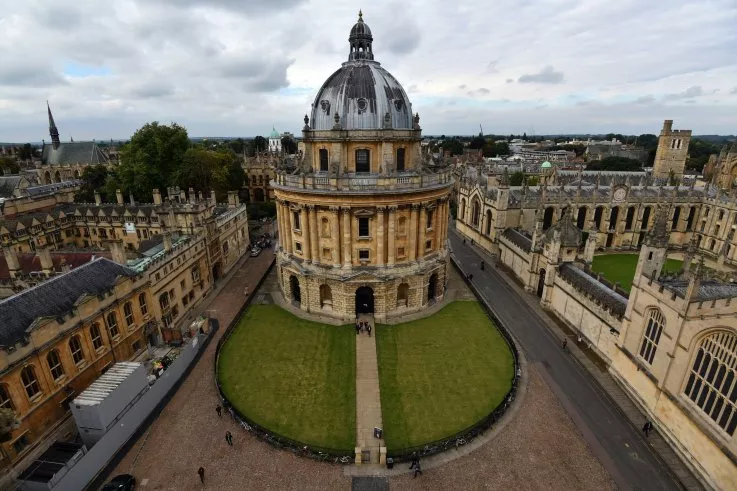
(11, 258)
(192, 196)
(47, 264)
(213, 198)
(98, 199)
(118, 251)
(133, 201)
(182, 196)
(232, 199)
(157, 196)
(167, 241)
(119, 196)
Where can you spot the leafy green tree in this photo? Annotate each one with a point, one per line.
(288, 145)
(477, 142)
(26, 152)
(493, 149)
(94, 179)
(453, 145)
(238, 145)
(258, 144)
(8, 165)
(533, 180)
(621, 164)
(516, 178)
(205, 170)
(150, 159)
(8, 422)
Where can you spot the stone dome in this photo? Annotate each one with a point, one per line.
(361, 92)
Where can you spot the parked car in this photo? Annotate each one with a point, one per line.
(122, 482)
(255, 251)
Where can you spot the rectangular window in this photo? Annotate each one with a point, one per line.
(428, 245)
(323, 160)
(183, 285)
(429, 219)
(362, 161)
(196, 274)
(400, 159)
(295, 218)
(400, 252)
(20, 444)
(363, 254)
(298, 246)
(363, 227)
(326, 253)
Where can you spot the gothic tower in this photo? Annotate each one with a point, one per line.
(672, 151)
(52, 128)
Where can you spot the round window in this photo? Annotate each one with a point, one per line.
(362, 105)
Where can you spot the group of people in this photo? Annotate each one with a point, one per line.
(362, 326)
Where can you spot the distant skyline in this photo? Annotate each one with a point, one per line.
(239, 67)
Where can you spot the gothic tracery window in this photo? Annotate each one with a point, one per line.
(651, 337)
(711, 384)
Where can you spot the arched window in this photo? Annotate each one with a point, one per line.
(75, 346)
(712, 244)
(630, 216)
(475, 212)
(96, 336)
(711, 384)
(112, 325)
(142, 299)
(326, 296)
(323, 160)
(613, 217)
(721, 214)
(5, 401)
(676, 218)
(598, 212)
(128, 311)
(548, 217)
(645, 218)
(403, 295)
(30, 382)
(462, 214)
(487, 230)
(55, 367)
(651, 336)
(164, 300)
(581, 218)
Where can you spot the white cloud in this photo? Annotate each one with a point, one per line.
(235, 67)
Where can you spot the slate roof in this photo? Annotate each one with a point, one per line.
(518, 238)
(594, 289)
(56, 297)
(30, 262)
(8, 185)
(73, 153)
(708, 289)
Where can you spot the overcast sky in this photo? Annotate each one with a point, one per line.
(237, 67)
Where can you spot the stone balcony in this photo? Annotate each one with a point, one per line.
(369, 183)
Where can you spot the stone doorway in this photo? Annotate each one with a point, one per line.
(295, 290)
(432, 287)
(364, 300)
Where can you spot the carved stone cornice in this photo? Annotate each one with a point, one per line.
(334, 209)
(381, 209)
(415, 206)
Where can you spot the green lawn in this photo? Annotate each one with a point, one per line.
(440, 374)
(295, 377)
(621, 267)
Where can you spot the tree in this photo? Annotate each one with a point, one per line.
(94, 179)
(453, 145)
(517, 178)
(205, 170)
(26, 152)
(524, 136)
(150, 159)
(494, 149)
(258, 144)
(477, 143)
(238, 145)
(288, 145)
(8, 165)
(621, 164)
(8, 422)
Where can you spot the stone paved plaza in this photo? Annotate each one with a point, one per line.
(539, 448)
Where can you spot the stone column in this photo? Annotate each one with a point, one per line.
(314, 243)
(335, 233)
(380, 235)
(305, 227)
(290, 227)
(413, 232)
(392, 248)
(347, 246)
(422, 229)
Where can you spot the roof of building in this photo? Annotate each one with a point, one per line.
(518, 238)
(54, 459)
(582, 281)
(101, 388)
(73, 153)
(546, 165)
(8, 185)
(56, 297)
(361, 93)
(274, 133)
(30, 262)
(570, 235)
(708, 289)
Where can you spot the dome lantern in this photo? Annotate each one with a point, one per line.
(360, 40)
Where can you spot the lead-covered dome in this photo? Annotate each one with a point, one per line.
(361, 92)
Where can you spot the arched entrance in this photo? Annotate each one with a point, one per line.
(541, 283)
(432, 287)
(364, 300)
(295, 290)
(216, 271)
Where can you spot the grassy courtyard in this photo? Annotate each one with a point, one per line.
(621, 267)
(293, 376)
(440, 374)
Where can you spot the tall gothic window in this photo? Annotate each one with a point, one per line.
(651, 337)
(30, 382)
(112, 324)
(75, 346)
(711, 383)
(487, 225)
(128, 311)
(96, 336)
(475, 212)
(55, 367)
(362, 161)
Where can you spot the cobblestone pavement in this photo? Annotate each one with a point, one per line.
(539, 449)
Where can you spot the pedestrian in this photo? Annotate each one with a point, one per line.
(358, 328)
(229, 438)
(201, 472)
(368, 328)
(415, 461)
(418, 469)
(245, 292)
(470, 277)
(219, 410)
(565, 343)
(646, 428)
(464, 241)
(482, 265)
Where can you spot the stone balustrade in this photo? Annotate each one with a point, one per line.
(362, 182)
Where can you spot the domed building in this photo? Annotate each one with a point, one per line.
(362, 216)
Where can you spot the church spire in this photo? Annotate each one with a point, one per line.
(52, 128)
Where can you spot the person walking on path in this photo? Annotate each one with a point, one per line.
(418, 469)
(201, 472)
(368, 328)
(229, 438)
(646, 428)
(415, 462)
(219, 410)
(358, 328)
(565, 344)
(245, 292)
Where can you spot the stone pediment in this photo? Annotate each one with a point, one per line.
(364, 212)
